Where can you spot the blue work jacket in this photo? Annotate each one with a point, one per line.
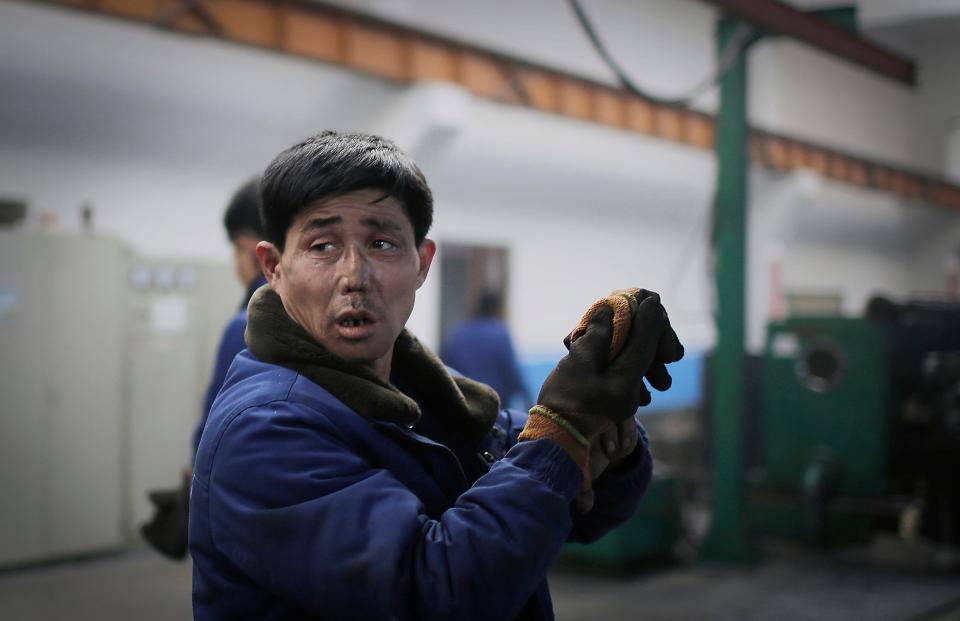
(482, 350)
(231, 344)
(302, 509)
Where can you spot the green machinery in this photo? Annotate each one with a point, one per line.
(859, 423)
(649, 535)
(825, 428)
(859, 426)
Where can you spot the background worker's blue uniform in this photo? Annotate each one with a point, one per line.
(482, 350)
(231, 344)
(303, 508)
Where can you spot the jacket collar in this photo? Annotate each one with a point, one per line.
(464, 405)
(259, 282)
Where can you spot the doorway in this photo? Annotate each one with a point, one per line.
(466, 272)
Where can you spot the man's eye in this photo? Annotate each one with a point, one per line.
(321, 247)
(383, 244)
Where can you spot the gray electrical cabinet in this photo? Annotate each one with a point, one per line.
(178, 310)
(104, 359)
(62, 308)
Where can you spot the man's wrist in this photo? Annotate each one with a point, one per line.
(552, 426)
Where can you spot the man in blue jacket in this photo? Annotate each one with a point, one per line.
(344, 473)
(481, 349)
(242, 223)
(167, 529)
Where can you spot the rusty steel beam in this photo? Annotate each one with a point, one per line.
(779, 18)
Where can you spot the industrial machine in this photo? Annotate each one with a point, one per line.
(649, 534)
(860, 425)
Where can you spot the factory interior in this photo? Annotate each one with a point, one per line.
(784, 173)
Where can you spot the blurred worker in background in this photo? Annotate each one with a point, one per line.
(167, 531)
(242, 221)
(481, 349)
(343, 473)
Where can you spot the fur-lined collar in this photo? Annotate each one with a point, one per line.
(465, 405)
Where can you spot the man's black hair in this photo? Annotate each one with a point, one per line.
(243, 211)
(331, 164)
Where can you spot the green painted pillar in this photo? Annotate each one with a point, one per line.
(728, 539)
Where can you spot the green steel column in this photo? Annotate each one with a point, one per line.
(728, 539)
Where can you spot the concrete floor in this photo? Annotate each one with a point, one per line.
(789, 585)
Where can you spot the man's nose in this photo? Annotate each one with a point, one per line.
(354, 270)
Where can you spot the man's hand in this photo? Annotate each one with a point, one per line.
(596, 386)
(607, 450)
(588, 391)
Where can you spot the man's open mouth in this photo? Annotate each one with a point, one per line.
(356, 324)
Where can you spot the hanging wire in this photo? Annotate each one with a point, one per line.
(725, 62)
(730, 54)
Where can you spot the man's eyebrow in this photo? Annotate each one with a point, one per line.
(382, 224)
(320, 223)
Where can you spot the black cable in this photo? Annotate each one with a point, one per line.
(727, 58)
(725, 62)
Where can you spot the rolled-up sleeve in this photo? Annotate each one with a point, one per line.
(617, 495)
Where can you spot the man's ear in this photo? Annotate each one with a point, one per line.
(269, 258)
(426, 250)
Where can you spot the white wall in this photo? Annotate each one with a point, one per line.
(568, 250)
(878, 12)
(939, 256)
(156, 129)
(809, 94)
(939, 52)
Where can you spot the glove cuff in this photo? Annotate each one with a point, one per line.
(542, 410)
(545, 423)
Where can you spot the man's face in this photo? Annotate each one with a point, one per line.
(349, 274)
